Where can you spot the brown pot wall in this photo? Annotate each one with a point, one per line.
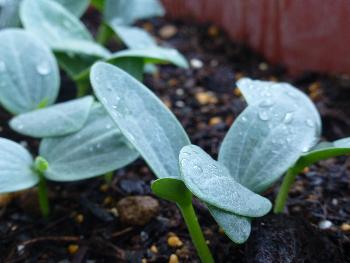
(302, 34)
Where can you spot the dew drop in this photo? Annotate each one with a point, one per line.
(288, 118)
(186, 153)
(244, 119)
(108, 126)
(292, 94)
(198, 169)
(20, 126)
(98, 146)
(263, 116)
(266, 103)
(310, 123)
(43, 68)
(114, 107)
(183, 161)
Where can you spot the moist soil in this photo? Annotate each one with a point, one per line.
(86, 223)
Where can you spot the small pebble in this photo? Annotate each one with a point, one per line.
(154, 249)
(214, 121)
(173, 259)
(325, 224)
(213, 31)
(196, 63)
(263, 66)
(206, 98)
(104, 188)
(108, 200)
(144, 260)
(79, 218)
(73, 248)
(345, 227)
(168, 31)
(137, 210)
(180, 104)
(237, 92)
(174, 241)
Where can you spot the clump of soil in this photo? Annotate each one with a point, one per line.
(85, 224)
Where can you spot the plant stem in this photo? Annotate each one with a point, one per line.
(103, 34)
(108, 178)
(83, 87)
(43, 198)
(282, 196)
(196, 233)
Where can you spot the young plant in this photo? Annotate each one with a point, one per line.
(312, 151)
(29, 77)
(96, 148)
(154, 132)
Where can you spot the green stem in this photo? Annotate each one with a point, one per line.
(83, 87)
(104, 33)
(282, 196)
(196, 233)
(108, 178)
(43, 198)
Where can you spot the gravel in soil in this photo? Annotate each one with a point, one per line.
(85, 225)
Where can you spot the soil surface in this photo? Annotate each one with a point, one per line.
(88, 222)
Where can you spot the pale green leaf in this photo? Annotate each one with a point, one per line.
(15, 167)
(57, 120)
(99, 147)
(210, 181)
(154, 55)
(142, 118)
(236, 227)
(133, 37)
(63, 32)
(256, 91)
(28, 72)
(264, 141)
(76, 7)
(126, 12)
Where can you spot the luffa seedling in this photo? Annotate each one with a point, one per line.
(154, 132)
(80, 141)
(303, 117)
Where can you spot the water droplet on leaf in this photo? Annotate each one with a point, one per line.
(263, 116)
(43, 68)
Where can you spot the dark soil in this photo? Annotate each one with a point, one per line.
(84, 225)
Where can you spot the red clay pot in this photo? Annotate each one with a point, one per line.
(301, 34)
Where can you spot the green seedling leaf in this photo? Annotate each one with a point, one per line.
(9, 13)
(256, 91)
(133, 37)
(264, 141)
(99, 147)
(142, 118)
(15, 167)
(98, 4)
(210, 181)
(236, 227)
(28, 72)
(57, 120)
(154, 55)
(322, 151)
(76, 7)
(126, 12)
(173, 190)
(63, 32)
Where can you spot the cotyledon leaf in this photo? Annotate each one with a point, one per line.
(15, 167)
(133, 37)
(264, 141)
(210, 181)
(9, 13)
(236, 227)
(99, 147)
(126, 12)
(257, 91)
(28, 72)
(142, 118)
(57, 120)
(62, 31)
(324, 150)
(154, 55)
(76, 7)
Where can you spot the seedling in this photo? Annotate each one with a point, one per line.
(96, 148)
(311, 150)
